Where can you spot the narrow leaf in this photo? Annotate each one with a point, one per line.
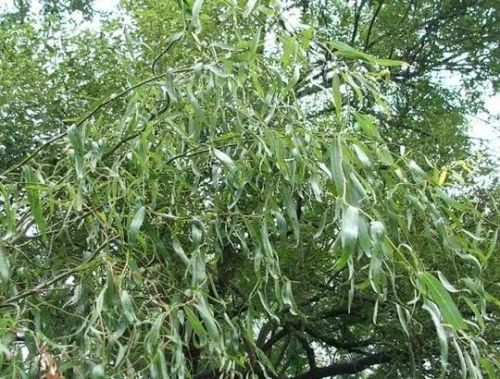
(195, 322)
(179, 250)
(440, 295)
(337, 96)
(128, 308)
(336, 168)
(249, 8)
(349, 231)
(441, 333)
(136, 224)
(224, 158)
(76, 139)
(33, 192)
(4, 267)
(196, 14)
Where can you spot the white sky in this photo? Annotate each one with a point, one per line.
(488, 131)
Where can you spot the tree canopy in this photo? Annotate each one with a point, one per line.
(204, 189)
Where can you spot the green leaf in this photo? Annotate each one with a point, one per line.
(294, 79)
(389, 62)
(493, 245)
(281, 224)
(217, 70)
(152, 338)
(128, 307)
(291, 210)
(349, 231)
(463, 365)
(136, 224)
(442, 298)
(287, 297)
(224, 158)
(446, 284)
(441, 333)
(347, 51)
(196, 14)
(179, 250)
(208, 319)
(195, 323)
(255, 42)
(363, 158)
(33, 191)
(336, 159)
(98, 372)
(4, 267)
(249, 8)
(76, 139)
(402, 319)
(337, 96)
(266, 307)
(367, 123)
(417, 172)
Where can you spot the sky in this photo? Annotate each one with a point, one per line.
(480, 127)
(488, 131)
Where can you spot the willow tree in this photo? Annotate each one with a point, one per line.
(201, 223)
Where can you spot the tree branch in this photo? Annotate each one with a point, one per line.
(311, 356)
(275, 338)
(372, 22)
(345, 368)
(357, 16)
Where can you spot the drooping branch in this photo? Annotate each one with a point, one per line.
(345, 368)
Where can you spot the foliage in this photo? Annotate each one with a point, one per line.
(203, 221)
(442, 42)
(48, 75)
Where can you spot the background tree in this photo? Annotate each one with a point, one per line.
(439, 40)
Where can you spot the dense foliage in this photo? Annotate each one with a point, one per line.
(203, 189)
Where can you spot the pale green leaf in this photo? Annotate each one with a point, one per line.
(195, 323)
(76, 139)
(336, 166)
(136, 223)
(446, 284)
(438, 293)
(33, 190)
(441, 333)
(349, 230)
(337, 96)
(249, 8)
(224, 158)
(4, 267)
(196, 14)
(128, 307)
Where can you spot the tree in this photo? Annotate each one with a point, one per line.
(438, 39)
(204, 222)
